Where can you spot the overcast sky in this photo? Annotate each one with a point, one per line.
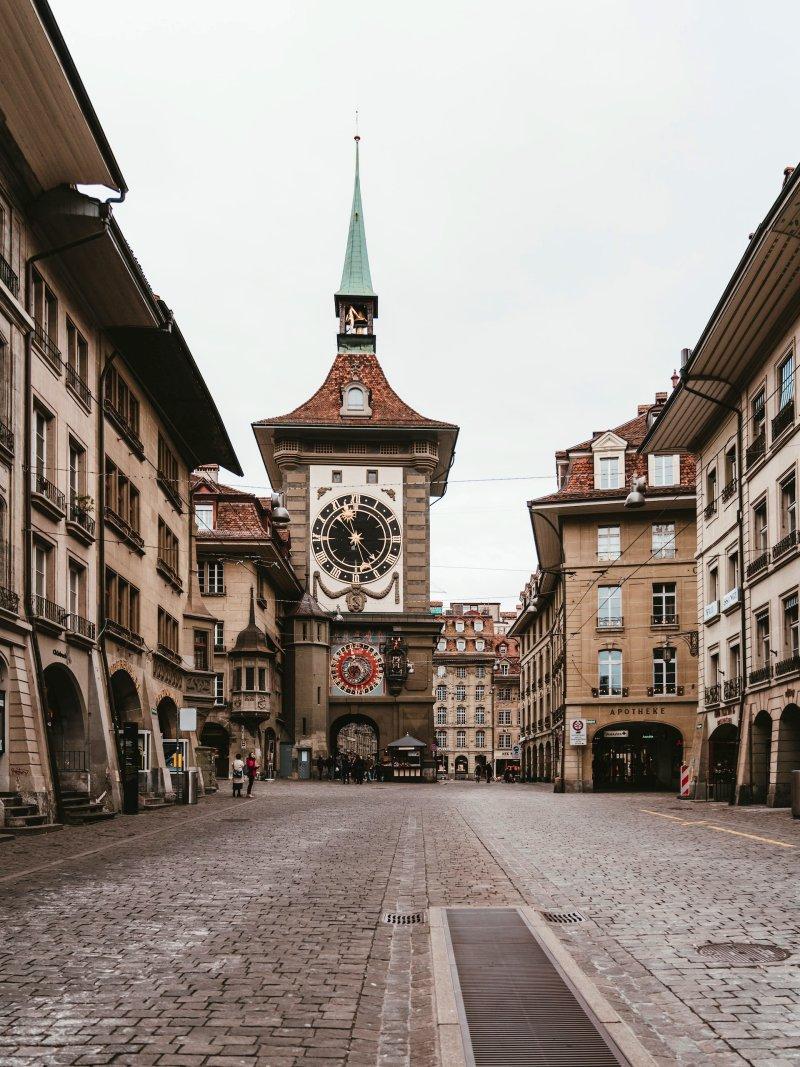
(554, 194)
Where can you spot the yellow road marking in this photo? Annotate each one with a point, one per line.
(719, 829)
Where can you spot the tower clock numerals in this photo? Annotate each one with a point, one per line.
(356, 538)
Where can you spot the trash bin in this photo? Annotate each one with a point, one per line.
(796, 794)
(192, 779)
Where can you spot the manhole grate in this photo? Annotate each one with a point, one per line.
(742, 953)
(399, 918)
(563, 917)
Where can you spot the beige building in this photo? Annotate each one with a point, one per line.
(463, 691)
(247, 586)
(506, 714)
(628, 676)
(97, 618)
(736, 407)
(539, 629)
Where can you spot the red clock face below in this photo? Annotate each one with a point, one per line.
(356, 669)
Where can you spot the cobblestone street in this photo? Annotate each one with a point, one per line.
(250, 932)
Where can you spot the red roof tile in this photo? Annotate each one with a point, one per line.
(324, 407)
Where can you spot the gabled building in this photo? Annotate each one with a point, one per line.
(625, 657)
(506, 714)
(248, 586)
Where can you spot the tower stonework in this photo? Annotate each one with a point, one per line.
(358, 468)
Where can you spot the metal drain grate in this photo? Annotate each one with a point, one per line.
(400, 918)
(517, 1008)
(563, 917)
(742, 954)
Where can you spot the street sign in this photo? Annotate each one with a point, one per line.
(189, 719)
(577, 731)
(616, 733)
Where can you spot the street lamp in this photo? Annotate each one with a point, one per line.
(636, 497)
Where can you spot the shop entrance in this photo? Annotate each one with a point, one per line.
(723, 748)
(637, 756)
(215, 736)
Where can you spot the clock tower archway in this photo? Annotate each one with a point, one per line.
(358, 468)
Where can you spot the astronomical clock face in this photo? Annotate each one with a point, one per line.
(356, 539)
(356, 669)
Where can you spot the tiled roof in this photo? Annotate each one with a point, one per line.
(324, 407)
(245, 517)
(579, 483)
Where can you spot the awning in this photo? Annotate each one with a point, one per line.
(161, 360)
(46, 106)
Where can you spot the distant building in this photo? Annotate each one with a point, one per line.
(505, 703)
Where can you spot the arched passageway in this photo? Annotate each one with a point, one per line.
(215, 736)
(638, 756)
(788, 754)
(65, 719)
(762, 756)
(723, 749)
(356, 735)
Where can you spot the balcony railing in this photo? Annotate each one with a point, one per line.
(609, 622)
(783, 419)
(783, 546)
(712, 694)
(756, 450)
(760, 563)
(8, 277)
(129, 432)
(124, 528)
(6, 436)
(44, 487)
(710, 509)
(50, 349)
(786, 666)
(116, 629)
(79, 386)
(47, 610)
(76, 624)
(9, 600)
(761, 674)
(168, 653)
(729, 490)
(668, 689)
(664, 619)
(731, 688)
(81, 517)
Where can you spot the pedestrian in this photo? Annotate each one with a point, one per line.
(478, 773)
(345, 769)
(331, 767)
(358, 770)
(251, 769)
(320, 766)
(489, 774)
(237, 775)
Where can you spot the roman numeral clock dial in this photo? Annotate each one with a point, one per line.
(356, 539)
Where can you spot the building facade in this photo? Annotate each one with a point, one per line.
(358, 468)
(735, 405)
(506, 713)
(96, 443)
(630, 660)
(248, 587)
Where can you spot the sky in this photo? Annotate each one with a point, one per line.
(555, 196)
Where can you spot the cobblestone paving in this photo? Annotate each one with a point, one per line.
(250, 932)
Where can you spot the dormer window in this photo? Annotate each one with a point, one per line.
(609, 472)
(204, 516)
(609, 460)
(460, 626)
(355, 400)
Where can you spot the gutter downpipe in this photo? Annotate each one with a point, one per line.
(41, 685)
(685, 376)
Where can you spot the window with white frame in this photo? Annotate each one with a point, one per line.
(204, 516)
(441, 692)
(610, 476)
(461, 716)
(664, 603)
(480, 672)
(504, 669)
(478, 626)
(504, 741)
(480, 739)
(461, 644)
(441, 716)
(788, 489)
(763, 638)
(609, 669)
(663, 544)
(459, 626)
(480, 644)
(664, 470)
(219, 636)
(441, 739)
(608, 542)
(461, 692)
(609, 606)
(461, 738)
(441, 645)
(219, 688)
(479, 691)
(480, 715)
(212, 577)
(461, 672)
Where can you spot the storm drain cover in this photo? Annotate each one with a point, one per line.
(742, 953)
(404, 918)
(563, 917)
(518, 1011)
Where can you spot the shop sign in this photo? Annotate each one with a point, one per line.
(188, 719)
(615, 733)
(638, 710)
(577, 731)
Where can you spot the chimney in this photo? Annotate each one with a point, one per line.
(675, 379)
(643, 409)
(686, 355)
(208, 470)
(787, 173)
(661, 398)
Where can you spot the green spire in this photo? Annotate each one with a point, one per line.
(356, 280)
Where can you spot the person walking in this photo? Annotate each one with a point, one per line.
(331, 768)
(489, 774)
(478, 772)
(320, 767)
(358, 770)
(237, 775)
(251, 770)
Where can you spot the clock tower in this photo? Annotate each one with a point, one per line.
(358, 468)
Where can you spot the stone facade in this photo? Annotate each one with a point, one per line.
(628, 588)
(96, 624)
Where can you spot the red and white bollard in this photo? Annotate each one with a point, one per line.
(684, 780)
